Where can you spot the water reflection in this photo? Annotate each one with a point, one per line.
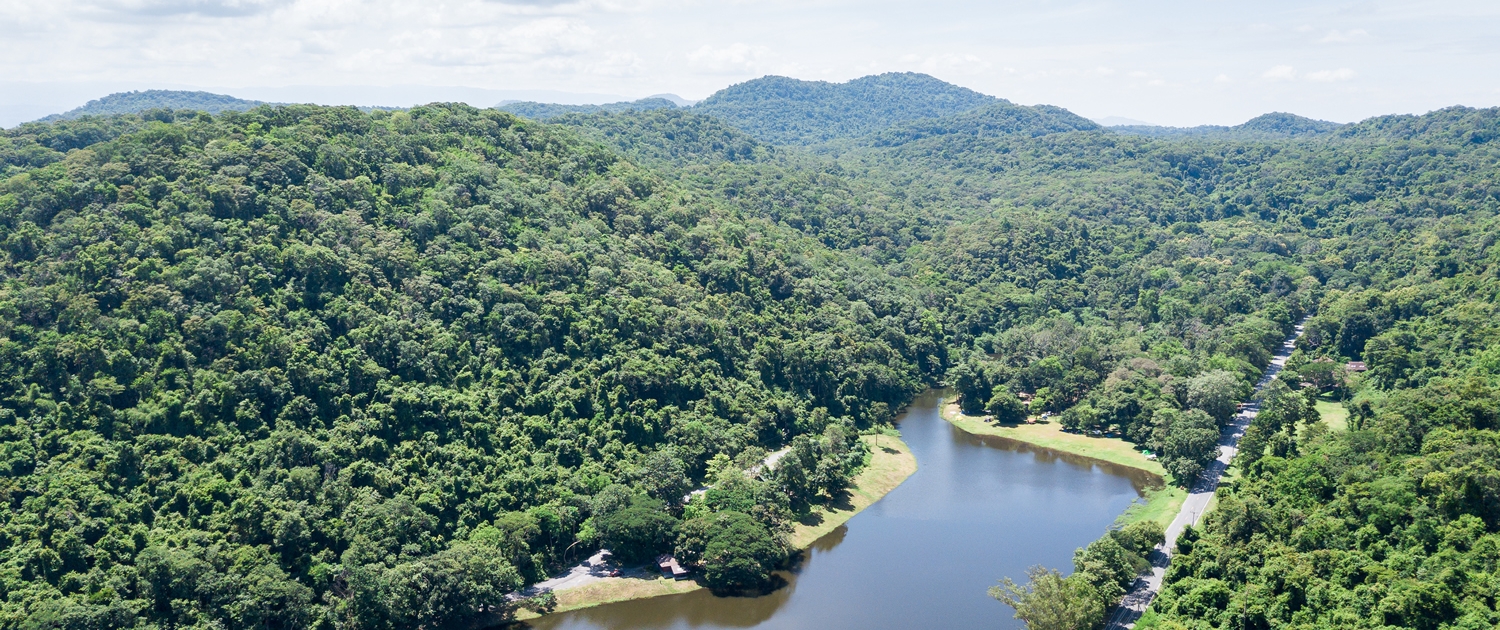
(1140, 479)
(977, 509)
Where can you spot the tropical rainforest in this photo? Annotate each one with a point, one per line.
(304, 366)
(142, 100)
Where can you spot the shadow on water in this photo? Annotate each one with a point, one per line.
(1140, 479)
(977, 509)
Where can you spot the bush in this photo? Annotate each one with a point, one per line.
(736, 552)
(1006, 407)
(637, 532)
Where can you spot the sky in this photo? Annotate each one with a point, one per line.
(1170, 63)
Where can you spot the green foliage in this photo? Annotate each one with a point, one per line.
(1006, 407)
(1102, 572)
(305, 366)
(1273, 126)
(1050, 601)
(1391, 523)
(819, 468)
(663, 476)
(330, 343)
(450, 588)
(1216, 393)
(737, 551)
(782, 110)
(636, 532)
(1187, 442)
(143, 100)
(546, 111)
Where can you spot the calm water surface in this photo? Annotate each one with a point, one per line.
(977, 509)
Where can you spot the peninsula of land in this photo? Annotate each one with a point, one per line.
(891, 462)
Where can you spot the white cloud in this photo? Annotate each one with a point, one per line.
(950, 63)
(549, 37)
(734, 58)
(1345, 37)
(1328, 76)
(1429, 52)
(618, 64)
(210, 8)
(1280, 73)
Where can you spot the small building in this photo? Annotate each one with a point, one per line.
(670, 568)
(1025, 397)
(1356, 366)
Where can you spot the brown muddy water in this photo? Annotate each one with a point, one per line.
(977, 509)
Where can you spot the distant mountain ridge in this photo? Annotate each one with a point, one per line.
(545, 111)
(1121, 121)
(139, 101)
(782, 110)
(1002, 118)
(885, 110)
(1272, 125)
(1467, 125)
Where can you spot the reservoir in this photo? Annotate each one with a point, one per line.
(978, 508)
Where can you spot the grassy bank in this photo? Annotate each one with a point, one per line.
(616, 589)
(1051, 436)
(1159, 504)
(891, 462)
(1333, 413)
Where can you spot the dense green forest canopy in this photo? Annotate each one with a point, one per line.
(545, 111)
(324, 345)
(305, 366)
(142, 100)
(783, 110)
(1180, 262)
(1275, 125)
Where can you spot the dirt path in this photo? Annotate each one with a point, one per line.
(1148, 585)
(592, 570)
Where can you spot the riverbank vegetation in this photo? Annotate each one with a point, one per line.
(1390, 523)
(1050, 435)
(1101, 574)
(307, 366)
(279, 367)
(891, 462)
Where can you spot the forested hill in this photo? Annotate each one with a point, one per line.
(781, 110)
(271, 369)
(135, 102)
(999, 119)
(544, 111)
(1385, 230)
(315, 367)
(1271, 126)
(1136, 285)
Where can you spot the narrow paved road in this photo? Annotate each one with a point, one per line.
(1146, 587)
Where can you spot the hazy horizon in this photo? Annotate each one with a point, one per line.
(1173, 64)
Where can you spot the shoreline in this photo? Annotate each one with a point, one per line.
(891, 462)
(1158, 504)
(1050, 436)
